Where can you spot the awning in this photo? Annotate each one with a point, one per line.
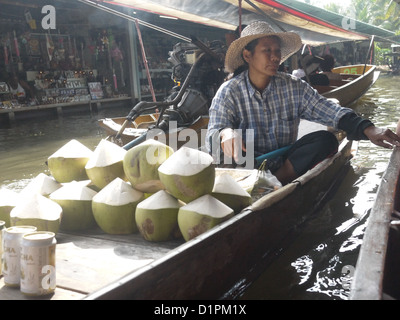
(309, 16)
(314, 25)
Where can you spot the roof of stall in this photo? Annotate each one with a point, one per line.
(315, 26)
(310, 13)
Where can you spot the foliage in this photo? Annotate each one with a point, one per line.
(381, 13)
(380, 58)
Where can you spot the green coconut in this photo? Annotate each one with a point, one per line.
(41, 184)
(156, 217)
(106, 164)
(75, 198)
(227, 190)
(68, 162)
(38, 211)
(114, 207)
(201, 215)
(188, 174)
(141, 165)
(8, 200)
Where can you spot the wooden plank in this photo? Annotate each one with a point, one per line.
(368, 277)
(10, 293)
(89, 260)
(222, 261)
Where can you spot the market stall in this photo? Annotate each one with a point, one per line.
(80, 61)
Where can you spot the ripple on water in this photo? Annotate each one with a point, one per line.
(320, 264)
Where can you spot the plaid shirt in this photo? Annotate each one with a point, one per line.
(274, 115)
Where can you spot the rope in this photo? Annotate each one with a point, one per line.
(145, 62)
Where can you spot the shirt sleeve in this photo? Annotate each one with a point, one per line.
(327, 112)
(354, 126)
(317, 108)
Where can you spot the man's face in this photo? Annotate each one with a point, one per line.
(266, 57)
(13, 81)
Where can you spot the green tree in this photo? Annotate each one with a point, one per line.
(381, 13)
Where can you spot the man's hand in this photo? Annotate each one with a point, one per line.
(231, 143)
(382, 137)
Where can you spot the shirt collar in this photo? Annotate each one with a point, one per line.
(270, 87)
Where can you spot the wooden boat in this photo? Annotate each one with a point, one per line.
(135, 129)
(218, 264)
(376, 275)
(356, 81)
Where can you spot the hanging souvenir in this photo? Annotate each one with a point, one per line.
(49, 46)
(115, 80)
(29, 20)
(16, 45)
(82, 55)
(5, 54)
(33, 47)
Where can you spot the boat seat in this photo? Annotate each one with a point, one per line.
(338, 83)
(349, 76)
(323, 89)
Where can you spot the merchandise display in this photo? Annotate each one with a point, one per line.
(57, 65)
(88, 55)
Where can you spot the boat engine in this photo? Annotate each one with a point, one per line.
(198, 72)
(202, 72)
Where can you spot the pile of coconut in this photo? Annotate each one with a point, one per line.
(149, 189)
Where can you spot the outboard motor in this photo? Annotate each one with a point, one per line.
(202, 84)
(198, 72)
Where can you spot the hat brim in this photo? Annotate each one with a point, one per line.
(290, 44)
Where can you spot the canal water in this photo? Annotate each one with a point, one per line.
(314, 266)
(320, 263)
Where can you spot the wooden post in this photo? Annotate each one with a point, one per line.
(133, 63)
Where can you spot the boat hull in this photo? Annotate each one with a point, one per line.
(216, 264)
(357, 82)
(140, 126)
(376, 274)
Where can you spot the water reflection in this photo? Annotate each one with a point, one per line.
(320, 264)
(26, 145)
(312, 268)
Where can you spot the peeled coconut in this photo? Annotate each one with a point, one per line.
(8, 200)
(227, 190)
(188, 174)
(156, 217)
(42, 184)
(76, 201)
(38, 211)
(68, 162)
(141, 165)
(201, 215)
(106, 164)
(114, 207)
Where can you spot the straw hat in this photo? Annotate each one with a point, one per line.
(290, 43)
